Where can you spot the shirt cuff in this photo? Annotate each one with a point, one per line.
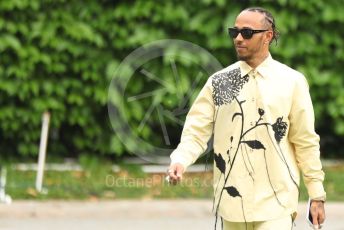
(316, 191)
(322, 198)
(180, 160)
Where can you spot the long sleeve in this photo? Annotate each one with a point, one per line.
(306, 142)
(197, 129)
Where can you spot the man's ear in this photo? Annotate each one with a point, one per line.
(268, 37)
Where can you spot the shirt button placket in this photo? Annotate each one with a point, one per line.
(255, 98)
(254, 103)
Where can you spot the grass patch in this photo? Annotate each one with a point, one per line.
(98, 181)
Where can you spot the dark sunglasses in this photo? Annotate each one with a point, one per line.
(245, 33)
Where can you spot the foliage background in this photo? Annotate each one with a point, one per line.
(60, 56)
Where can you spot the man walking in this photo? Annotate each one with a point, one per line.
(261, 115)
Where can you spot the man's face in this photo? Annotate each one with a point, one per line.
(248, 49)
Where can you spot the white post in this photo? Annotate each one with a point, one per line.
(42, 151)
(4, 198)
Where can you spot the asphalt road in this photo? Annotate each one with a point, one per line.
(130, 214)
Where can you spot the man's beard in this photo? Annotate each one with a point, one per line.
(242, 57)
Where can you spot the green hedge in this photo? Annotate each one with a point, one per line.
(60, 56)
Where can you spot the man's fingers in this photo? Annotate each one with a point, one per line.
(318, 213)
(179, 173)
(172, 173)
(315, 219)
(175, 173)
(314, 213)
(321, 217)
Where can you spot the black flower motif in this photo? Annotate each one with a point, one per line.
(261, 112)
(254, 144)
(232, 191)
(227, 86)
(279, 128)
(220, 162)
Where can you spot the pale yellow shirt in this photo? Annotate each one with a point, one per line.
(263, 125)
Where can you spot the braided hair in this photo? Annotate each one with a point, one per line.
(269, 21)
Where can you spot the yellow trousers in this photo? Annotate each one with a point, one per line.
(284, 223)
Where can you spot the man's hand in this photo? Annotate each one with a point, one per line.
(175, 172)
(318, 213)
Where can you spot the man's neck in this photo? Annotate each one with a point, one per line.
(256, 61)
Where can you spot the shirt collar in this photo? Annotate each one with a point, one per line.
(263, 69)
